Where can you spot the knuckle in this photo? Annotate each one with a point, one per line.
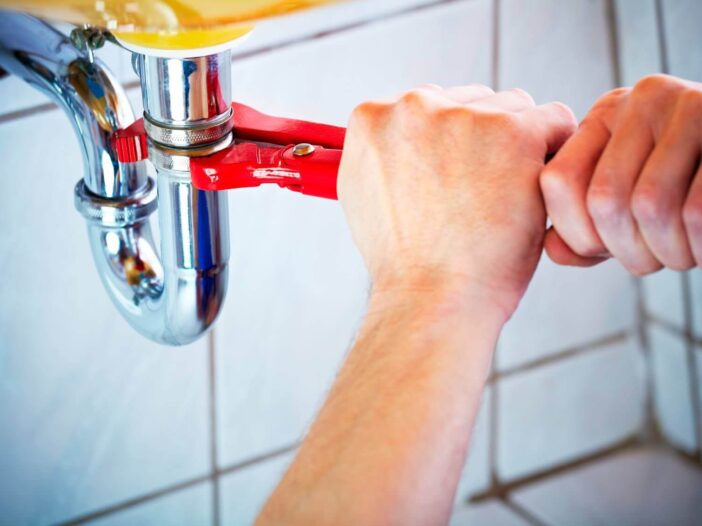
(647, 206)
(416, 98)
(486, 90)
(692, 215)
(690, 101)
(655, 87)
(522, 94)
(603, 204)
(368, 114)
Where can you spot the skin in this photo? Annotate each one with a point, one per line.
(446, 194)
(440, 188)
(628, 184)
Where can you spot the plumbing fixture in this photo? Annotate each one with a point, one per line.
(197, 141)
(175, 298)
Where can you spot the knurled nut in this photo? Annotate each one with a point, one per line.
(191, 135)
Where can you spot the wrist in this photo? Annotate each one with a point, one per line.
(441, 294)
(447, 305)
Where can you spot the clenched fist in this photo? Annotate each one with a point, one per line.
(628, 184)
(440, 188)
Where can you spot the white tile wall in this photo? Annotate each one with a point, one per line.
(556, 50)
(637, 30)
(683, 37)
(94, 415)
(86, 403)
(567, 409)
(189, 507)
(663, 297)
(646, 487)
(565, 308)
(243, 493)
(298, 286)
(673, 394)
(493, 513)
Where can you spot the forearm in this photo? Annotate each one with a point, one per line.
(390, 442)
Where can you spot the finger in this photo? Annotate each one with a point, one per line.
(467, 94)
(554, 123)
(660, 192)
(692, 217)
(513, 100)
(611, 188)
(561, 253)
(564, 184)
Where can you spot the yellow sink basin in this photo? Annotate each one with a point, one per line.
(165, 24)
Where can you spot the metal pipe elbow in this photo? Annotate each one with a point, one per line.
(173, 299)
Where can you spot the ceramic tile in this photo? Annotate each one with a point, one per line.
(493, 513)
(637, 31)
(673, 394)
(638, 488)
(243, 493)
(556, 50)
(565, 308)
(567, 409)
(311, 23)
(92, 413)
(663, 297)
(683, 37)
(189, 507)
(695, 293)
(298, 286)
(476, 472)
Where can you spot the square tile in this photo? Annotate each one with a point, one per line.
(683, 37)
(476, 472)
(93, 414)
(637, 32)
(638, 488)
(243, 493)
(298, 286)
(565, 308)
(672, 390)
(491, 512)
(189, 507)
(567, 409)
(556, 50)
(663, 297)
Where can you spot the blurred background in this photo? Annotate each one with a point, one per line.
(592, 414)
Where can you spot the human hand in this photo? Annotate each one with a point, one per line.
(628, 184)
(440, 188)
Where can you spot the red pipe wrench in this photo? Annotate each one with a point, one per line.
(298, 155)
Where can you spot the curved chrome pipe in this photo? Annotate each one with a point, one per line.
(172, 300)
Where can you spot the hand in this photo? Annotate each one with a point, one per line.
(628, 184)
(440, 188)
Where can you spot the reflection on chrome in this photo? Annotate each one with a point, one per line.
(173, 299)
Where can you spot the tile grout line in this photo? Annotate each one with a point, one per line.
(650, 429)
(523, 513)
(136, 501)
(662, 39)
(601, 343)
(519, 482)
(212, 400)
(692, 364)
(493, 423)
(614, 44)
(291, 42)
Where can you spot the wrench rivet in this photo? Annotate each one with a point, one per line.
(303, 149)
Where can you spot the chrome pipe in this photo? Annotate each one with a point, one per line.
(173, 299)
